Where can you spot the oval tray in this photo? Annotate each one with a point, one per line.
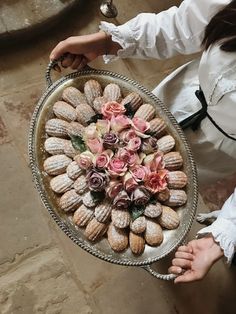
(37, 154)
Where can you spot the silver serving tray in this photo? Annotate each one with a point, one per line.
(37, 154)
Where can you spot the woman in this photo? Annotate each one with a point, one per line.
(195, 26)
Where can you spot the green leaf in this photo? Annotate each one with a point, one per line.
(95, 118)
(129, 110)
(153, 200)
(78, 143)
(137, 212)
(98, 196)
(151, 133)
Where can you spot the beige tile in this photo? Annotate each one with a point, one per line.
(42, 284)
(133, 291)
(91, 271)
(23, 228)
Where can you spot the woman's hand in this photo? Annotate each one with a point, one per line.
(79, 50)
(193, 261)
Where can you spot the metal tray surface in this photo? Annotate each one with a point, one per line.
(37, 154)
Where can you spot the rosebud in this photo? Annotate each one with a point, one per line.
(97, 181)
(122, 200)
(110, 140)
(140, 196)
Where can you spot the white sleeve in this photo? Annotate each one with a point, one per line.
(224, 228)
(163, 35)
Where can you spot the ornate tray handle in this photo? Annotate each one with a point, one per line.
(152, 272)
(51, 66)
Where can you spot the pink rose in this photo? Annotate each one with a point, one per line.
(140, 124)
(123, 154)
(114, 188)
(119, 123)
(112, 108)
(117, 167)
(85, 159)
(129, 182)
(156, 181)
(134, 144)
(95, 145)
(129, 157)
(139, 172)
(127, 135)
(103, 159)
(133, 158)
(103, 126)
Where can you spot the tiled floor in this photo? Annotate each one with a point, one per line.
(42, 271)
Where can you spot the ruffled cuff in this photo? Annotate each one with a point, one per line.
(224, 233)
(117, 35)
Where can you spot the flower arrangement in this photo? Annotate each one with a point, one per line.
(122, 159)
(114, 166)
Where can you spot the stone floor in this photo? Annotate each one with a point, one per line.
(43, 271)
(26, 18)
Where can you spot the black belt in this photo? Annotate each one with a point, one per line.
(195, 119)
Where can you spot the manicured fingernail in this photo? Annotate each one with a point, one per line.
(179, 270)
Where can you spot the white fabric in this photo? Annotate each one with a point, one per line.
(181, 30)
(224, 228)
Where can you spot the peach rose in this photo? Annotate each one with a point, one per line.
(112, 108)
(156, 181)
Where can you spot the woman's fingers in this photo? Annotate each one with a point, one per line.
(183, 263)
(175, 270)
(67, 60)
(188, 276)
(184, 255)
(185, 248)
(76, 62)
(59, 50)
(83, 63)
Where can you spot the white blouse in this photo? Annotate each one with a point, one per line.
(181, 31)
